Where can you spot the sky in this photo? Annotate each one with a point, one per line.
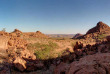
(53, 16)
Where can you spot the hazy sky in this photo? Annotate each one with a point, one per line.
(53, 16)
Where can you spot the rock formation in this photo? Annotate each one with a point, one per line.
(36, 34)
(96, 32)
(2, 33)
(108, 38)
(98, 64)
(17, 42)
(100, 27)
(77, 36)
(17, 31)
(3, 42)
(90, 59)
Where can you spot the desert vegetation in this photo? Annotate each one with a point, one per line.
(43, 51)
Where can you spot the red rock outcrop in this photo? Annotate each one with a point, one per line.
(78, 45)
(97, 63)
(17, 31)
(17, 42)
(22, 59)
(61, 68)
(100, 27)
(108, 38)
(95, 32)
(77, 36)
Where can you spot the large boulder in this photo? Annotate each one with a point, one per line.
(62, 68)
(97, 63)
(108, 38)
(26, 54)
(20, 64)
(3, 42)
(4, 68)
(78, 45)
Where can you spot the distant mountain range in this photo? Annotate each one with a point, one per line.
(61, 35)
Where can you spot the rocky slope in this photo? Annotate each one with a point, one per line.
(77, 35)
(95, 32)
(100, 27)
(19, 60)
(87, 60)
(36, 34)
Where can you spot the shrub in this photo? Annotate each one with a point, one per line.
(43, 51)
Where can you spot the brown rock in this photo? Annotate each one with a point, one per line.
(17, 42)
(101, 27)
(2, 33)
(108, 38)
(78, 52)
(3, 42)
(4, 68)
(17, 31)
(20, 64)
(97, 63)
(61, 69)
(27, 55)
(10, 42)
(31, 66)
(78, 45)
(77, 36)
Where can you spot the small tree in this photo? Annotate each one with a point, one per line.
(4, 30)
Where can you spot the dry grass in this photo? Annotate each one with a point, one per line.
(49, 48)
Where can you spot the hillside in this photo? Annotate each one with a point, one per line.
(37, 34)
(99, 28)
(37, 53)
(100, 31)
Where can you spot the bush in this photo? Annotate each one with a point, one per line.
(43, 51)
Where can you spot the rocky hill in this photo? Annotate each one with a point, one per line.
(100, 27)
(85, 59)
(77, 35)
(37, 34)
(101, 30)
(17, 31)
